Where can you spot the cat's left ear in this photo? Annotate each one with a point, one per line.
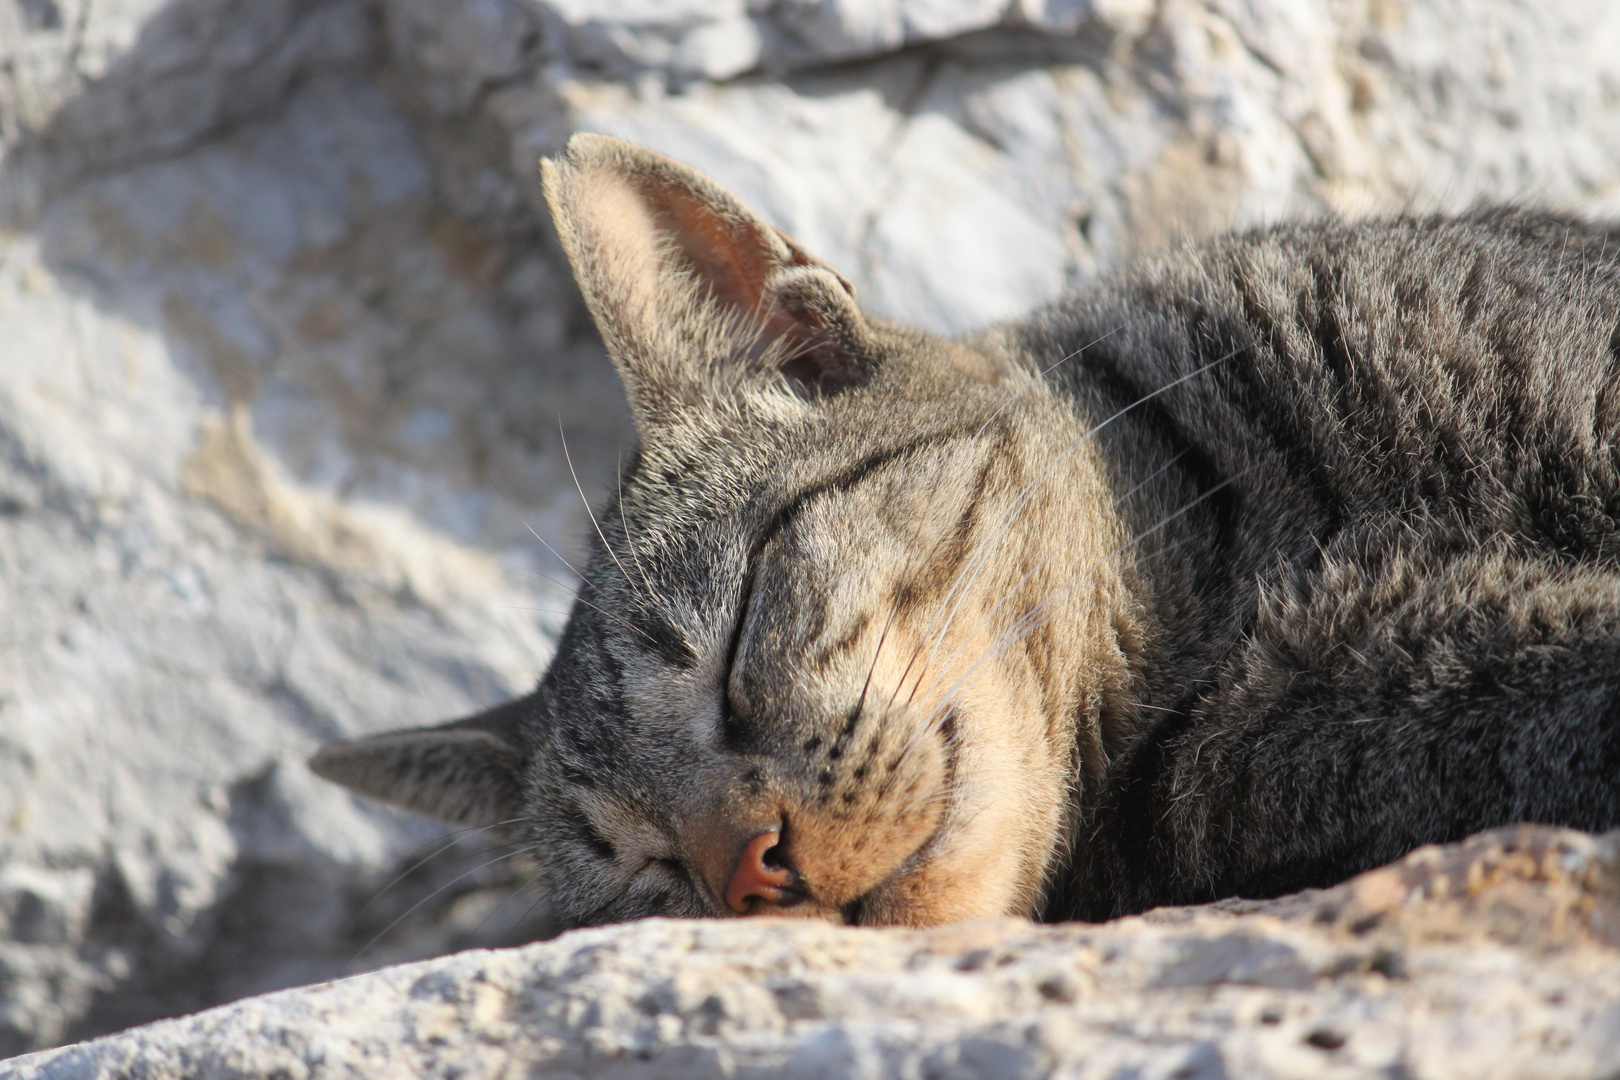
(688, 285)
(466, 772)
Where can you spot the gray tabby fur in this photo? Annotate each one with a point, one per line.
(1247, 569)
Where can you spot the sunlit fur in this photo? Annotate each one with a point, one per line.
(1250, 568)
(820, 639)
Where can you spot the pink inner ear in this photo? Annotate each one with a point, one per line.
(685, 226)
(729, 254)
(735, 260)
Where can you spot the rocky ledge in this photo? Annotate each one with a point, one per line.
(1498, 956)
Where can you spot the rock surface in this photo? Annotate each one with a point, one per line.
(288, 360)
(1497, 957)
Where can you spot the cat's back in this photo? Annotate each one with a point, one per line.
(1372, 475)
(1468, 364)
(1275, 401)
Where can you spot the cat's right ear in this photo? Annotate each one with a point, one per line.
(690, 288)
(466, 772)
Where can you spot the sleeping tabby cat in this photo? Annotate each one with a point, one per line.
(1249, 568)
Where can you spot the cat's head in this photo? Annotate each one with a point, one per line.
(848, 629)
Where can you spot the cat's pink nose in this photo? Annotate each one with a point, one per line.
(763, 874)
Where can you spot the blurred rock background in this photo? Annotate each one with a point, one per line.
(289, 359)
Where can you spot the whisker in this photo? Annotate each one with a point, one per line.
(530, 607)
(574, 588)
(1010, 592)
(1150, 477)
(540, 898)
(446, 842)
(519, 891)
(860, 705)
(1026, 622)
(913, 568)
(584, 583)
(989, 777)
(1023, 627)
(578, 599)
(557, 554)
(449, 884)
(561, 434)
(971, 569)
(635, 556)
(1047, 371)
(1029, 621)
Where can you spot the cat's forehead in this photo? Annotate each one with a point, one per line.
(715, 497)
(749, 431)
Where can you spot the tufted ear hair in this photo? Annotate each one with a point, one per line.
(466, 772)
(688, 286)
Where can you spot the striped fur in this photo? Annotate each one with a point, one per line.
(1243, 571)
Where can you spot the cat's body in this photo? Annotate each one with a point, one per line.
(1248, 569)
(1399, 622)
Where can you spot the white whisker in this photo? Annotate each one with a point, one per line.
(449, 884)
(1019, 584)
(971, 569)
(578, 599)
(1044, 373)
(635, 556)
(589, 512)
(1027, 622)
(445, 842)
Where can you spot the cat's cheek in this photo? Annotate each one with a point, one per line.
(987, 861)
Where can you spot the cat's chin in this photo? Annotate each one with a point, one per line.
(942, 886)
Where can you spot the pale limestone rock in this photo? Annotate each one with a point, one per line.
(1497, 957)
(248, 507)
(284, 345)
